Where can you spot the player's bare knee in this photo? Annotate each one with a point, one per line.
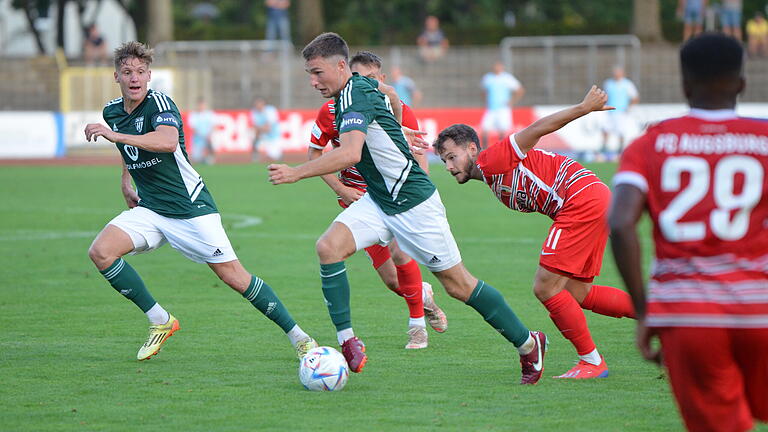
(542, 292)
(100, 256)
(328, 250)
(399, 257)
(459, 292)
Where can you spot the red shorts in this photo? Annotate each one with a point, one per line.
(378, 254)
(719, 376)
(576, 241)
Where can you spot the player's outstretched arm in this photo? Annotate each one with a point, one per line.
(345, 156)
(594, 101)
(346, 193)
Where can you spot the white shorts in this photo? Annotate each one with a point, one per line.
(499, 119)
(616, 123)
(421, 232)
(201, 239)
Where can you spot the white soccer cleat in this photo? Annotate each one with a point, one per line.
(417, 338)
(435, 316)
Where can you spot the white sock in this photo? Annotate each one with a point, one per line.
(344, 335)
(296, 334)
(157, 315)
(593, 357)
(424, 287)
(417, 322)
(528, 346)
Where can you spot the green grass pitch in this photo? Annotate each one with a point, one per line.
(68, 340)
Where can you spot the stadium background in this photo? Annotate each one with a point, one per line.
(69, 375)
(555, 48)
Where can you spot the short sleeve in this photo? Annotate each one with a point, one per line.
(631, 89)
(357, 108)
(632, 166)
(273, 116)
(514, 84)
(166, 119)
(322, 128)
(166, 114)
(500, 158)
(409, 118)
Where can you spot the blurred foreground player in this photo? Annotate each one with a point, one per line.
(702, 180)
(397, 270)
(170, 204)
(532, 180)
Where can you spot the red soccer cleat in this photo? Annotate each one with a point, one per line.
(533, 362)
(354, 352)
(584, 370)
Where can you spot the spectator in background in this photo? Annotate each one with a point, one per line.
(730, 18)
(692, 14)
(278, 21)
(502, 92)
(202, 122)
(94, 47)
(266, 126)
(405, 88)
(432, 41)
(757, 35)
(622, 94)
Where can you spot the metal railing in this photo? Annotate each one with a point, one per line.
(256, 67)
(590, 55)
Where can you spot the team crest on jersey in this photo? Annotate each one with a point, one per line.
(132, 152)
(523, 204)
(139, 123)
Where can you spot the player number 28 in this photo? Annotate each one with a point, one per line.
(723, 224)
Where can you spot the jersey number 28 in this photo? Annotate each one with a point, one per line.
(722, 183)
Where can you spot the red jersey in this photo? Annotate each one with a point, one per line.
(705, 180)
(539, 181)
(324, 131)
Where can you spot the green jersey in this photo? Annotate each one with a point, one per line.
(166, 182)
(395, 181)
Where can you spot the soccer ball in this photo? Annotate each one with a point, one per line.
(323, 369)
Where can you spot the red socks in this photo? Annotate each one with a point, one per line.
(609, 301)
(569, 319)
(409, 280)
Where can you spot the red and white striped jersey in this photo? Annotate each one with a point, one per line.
(539, 181)
(704, 176)
(324, 131)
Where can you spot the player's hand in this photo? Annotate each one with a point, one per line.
(415, 140)
(595, 100)
(349, 195)
(95, 130)
(645, 335)
(131, 197)
(280, 173)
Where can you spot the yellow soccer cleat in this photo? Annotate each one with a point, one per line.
(158, 334)
(303, 346)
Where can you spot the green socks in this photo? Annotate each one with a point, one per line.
(489, 303)
(263, 298)
(127, 282)
(336, 294)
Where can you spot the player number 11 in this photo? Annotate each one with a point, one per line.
(723, 224)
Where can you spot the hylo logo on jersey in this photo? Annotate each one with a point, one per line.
(352, 119)
(132, 152)
(166, 118)
(139, 123)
